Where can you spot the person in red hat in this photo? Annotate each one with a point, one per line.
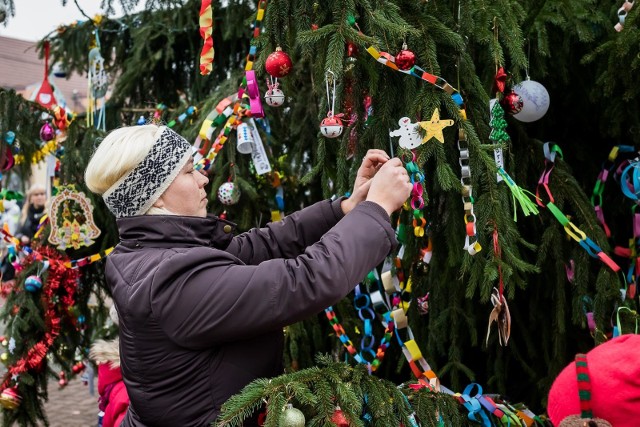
(600, 388)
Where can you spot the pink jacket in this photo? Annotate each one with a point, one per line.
(114, 400)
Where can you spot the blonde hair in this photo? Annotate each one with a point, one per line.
(35, 188)
(117, 155)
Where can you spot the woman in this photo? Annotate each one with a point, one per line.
(201, 312)
(32, 212)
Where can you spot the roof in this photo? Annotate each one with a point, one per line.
(23, 71)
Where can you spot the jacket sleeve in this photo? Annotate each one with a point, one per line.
(200, 301)
(117, 407)
(287, 238)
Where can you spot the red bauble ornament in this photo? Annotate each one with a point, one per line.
(78, 367)
(405, 59)
(278, 64)
(352, 49)
(511, 103)
(339, 419)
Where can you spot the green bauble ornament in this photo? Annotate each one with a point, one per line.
(292, 417)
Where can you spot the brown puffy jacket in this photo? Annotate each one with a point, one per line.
(201, 312)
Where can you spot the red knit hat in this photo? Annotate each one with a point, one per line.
(614, 378)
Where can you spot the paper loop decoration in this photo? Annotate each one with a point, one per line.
(254, 94)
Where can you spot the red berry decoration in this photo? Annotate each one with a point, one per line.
(405, 59)
(278, 64)
(511, 103)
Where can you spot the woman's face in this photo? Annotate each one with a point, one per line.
(186, 194)
(38, 199)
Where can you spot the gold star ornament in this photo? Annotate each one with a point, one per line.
(434, 127)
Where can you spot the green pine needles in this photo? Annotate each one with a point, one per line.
(569, 46)
(365, 400)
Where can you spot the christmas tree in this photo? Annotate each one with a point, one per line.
(500, 233)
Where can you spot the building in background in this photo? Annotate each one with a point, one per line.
(23, 71)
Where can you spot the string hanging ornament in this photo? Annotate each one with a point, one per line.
(274, 96)
(535, 99)
(405, 59)
(98, 85)
(229, 192)
(44, 94)
(331, 126)
(33, 283)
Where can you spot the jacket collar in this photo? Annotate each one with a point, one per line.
(175, 231)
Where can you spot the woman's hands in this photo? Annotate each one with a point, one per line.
(391, 186)
(371, 163)
(381, 180)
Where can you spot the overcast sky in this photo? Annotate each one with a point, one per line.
(34, 19)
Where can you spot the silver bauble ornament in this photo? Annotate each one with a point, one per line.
(535, 101)
(292, 417)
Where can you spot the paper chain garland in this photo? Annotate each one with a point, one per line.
(626, 172)
(206, 31)
(232, 113)
(478, 404)
(417, 201)
(365, 304)
(257, 29)
(471, 241)
(551, 151)
(601, 181)
(160, 108)
(411, 351)
(415, 71)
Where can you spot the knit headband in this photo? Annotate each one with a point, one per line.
(137, 191)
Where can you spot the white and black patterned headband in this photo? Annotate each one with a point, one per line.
(137, 191)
